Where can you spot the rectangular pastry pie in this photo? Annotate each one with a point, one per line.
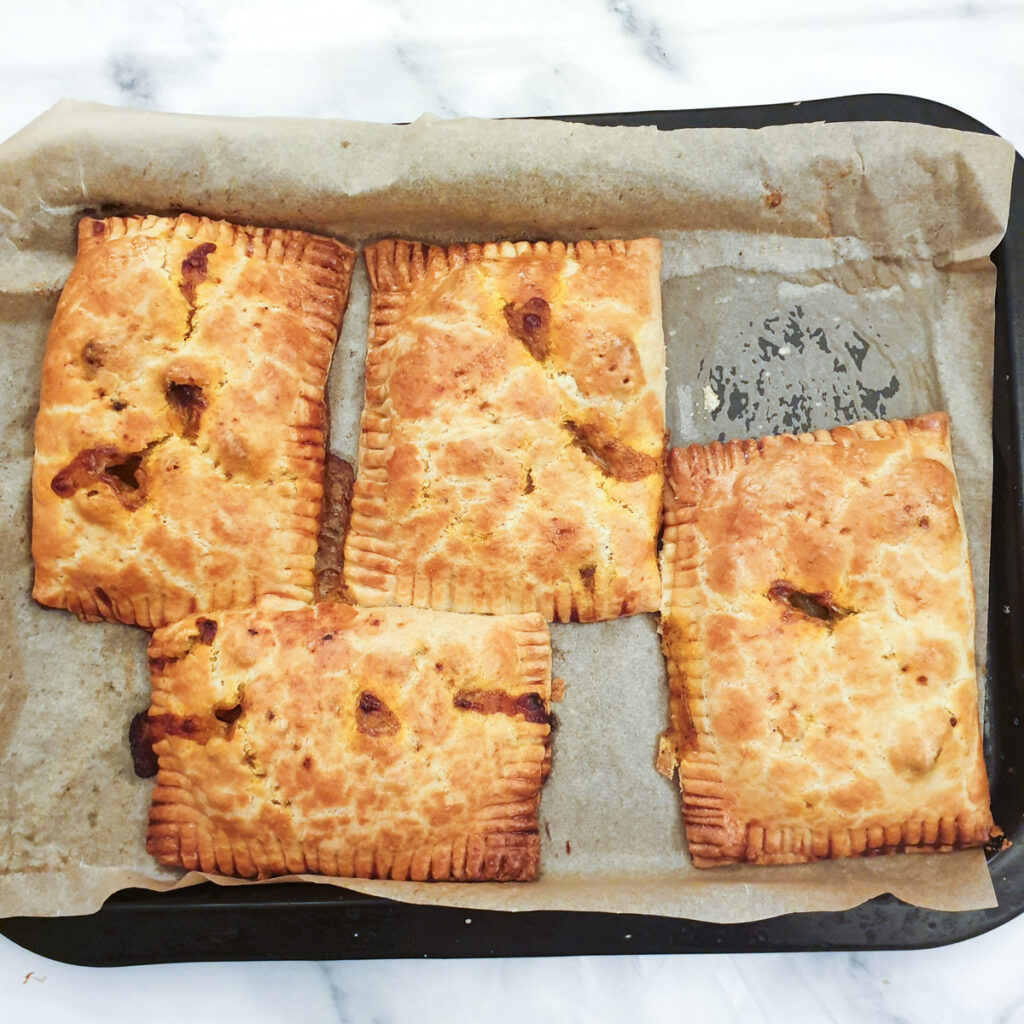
(375, 743)
(511, 454)
(818, 621)
(180, 434)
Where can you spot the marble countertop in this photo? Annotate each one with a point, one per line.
(392, 60)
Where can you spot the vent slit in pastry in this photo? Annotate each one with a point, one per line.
(121, 471)
(194, 269)
(207, 630)
(814, 606)
(614, 458)
(530, 322)
(187, 404)
(496, 702)
(228, 715)
(374, 717)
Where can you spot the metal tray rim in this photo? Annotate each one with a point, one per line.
(210, 922)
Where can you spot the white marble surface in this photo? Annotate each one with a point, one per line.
(980, 981)
(391, 60)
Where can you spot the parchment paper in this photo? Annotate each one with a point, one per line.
(814, 274)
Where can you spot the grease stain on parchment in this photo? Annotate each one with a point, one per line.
(831, 369)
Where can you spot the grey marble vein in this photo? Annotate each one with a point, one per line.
(133, 80)
(645, 31)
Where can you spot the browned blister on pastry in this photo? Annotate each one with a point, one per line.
(818, 620)
(377, 743)
(180, 434)
(512, 446)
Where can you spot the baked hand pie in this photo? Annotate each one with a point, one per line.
(180, 435)
(512, 443)
(818, 621)
(375, 743)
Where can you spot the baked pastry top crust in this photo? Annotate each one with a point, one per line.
(182, 417)
(818, 621)
(511, 454)
(378, 743)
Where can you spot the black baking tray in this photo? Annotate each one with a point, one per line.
(306, 921)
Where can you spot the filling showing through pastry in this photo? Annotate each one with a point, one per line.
(815, 606)
(120, 471)
(188, 404)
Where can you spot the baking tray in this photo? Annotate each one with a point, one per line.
(291, 921)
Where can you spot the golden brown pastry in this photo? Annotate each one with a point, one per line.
(180, 435)
(818, 621)
(373, 743)
(511, 456)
